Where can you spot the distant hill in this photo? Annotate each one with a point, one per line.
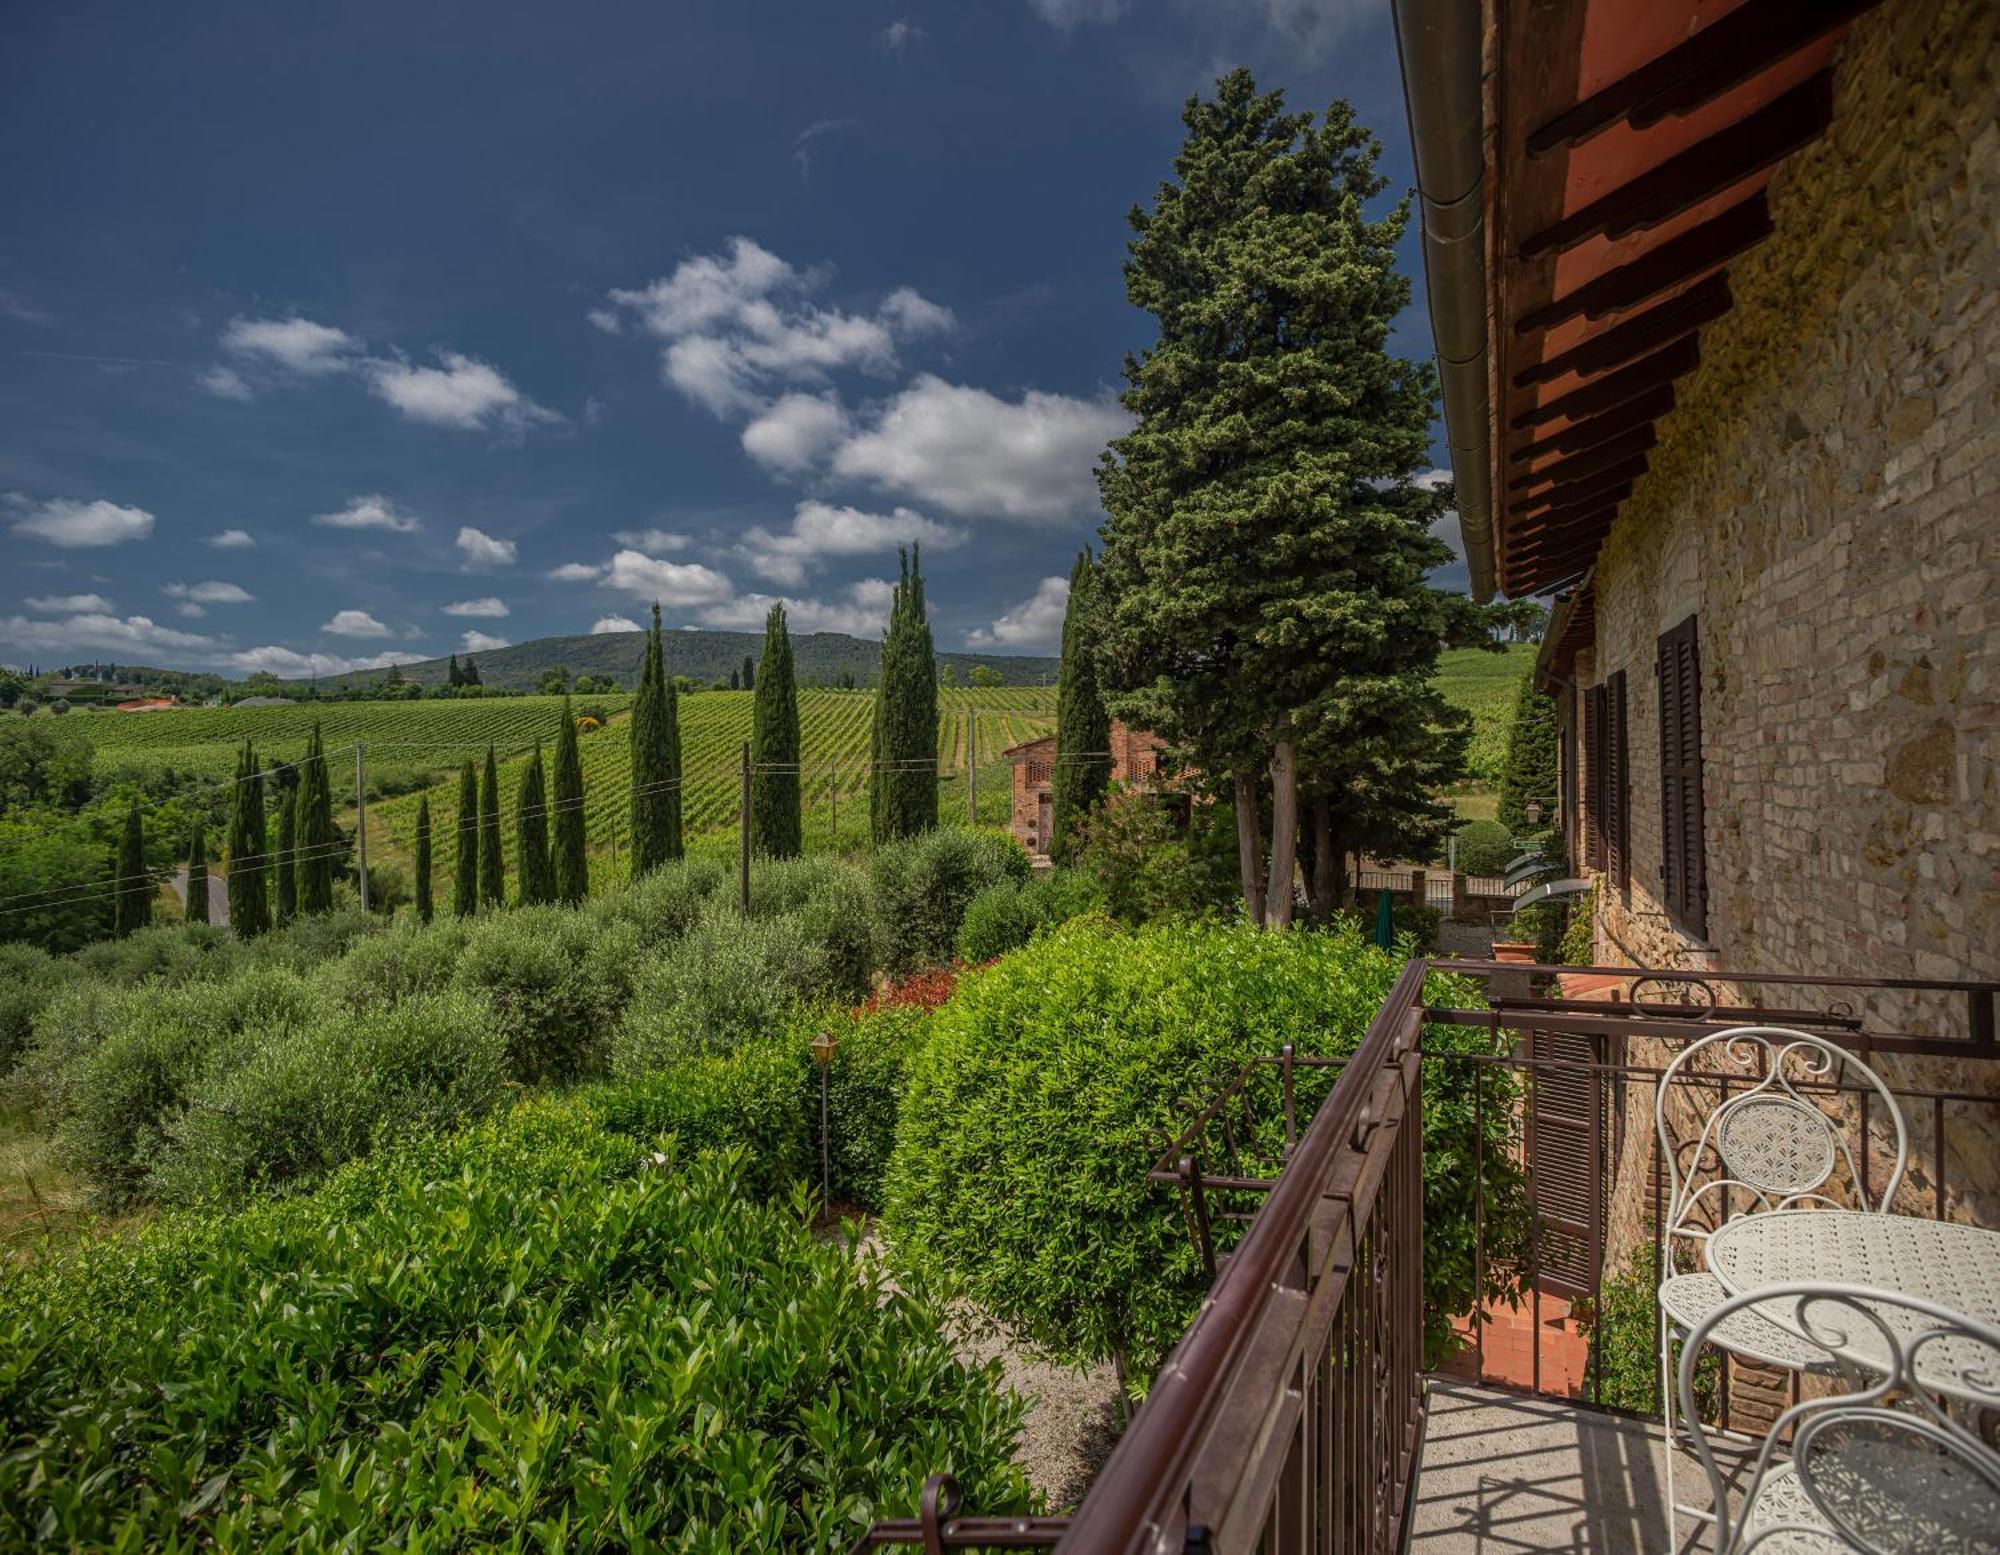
(821, 658)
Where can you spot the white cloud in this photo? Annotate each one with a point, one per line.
(605, 624)
(70, 604)
(488, 608)
(296, 345)
(652, 539)
(376, 512)
(898, 38)
(806, 147)
(230, 540)
(822, 529)
(1034, 624)
(910, 312)
(1067, 14)
(191, 610)
(862, 610)
(355, 623)
(974, 454)
(480, 642)
(681, 585)
(73, 524)
(482, 549)
(289, 664)
(210, 593)
(576, 572)
(464, 393)
(101, 629)
(226, 383)
(738, 327)
(796, 432)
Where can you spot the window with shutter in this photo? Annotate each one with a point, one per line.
(1617, 808)
(1683, 865)
(1593, 777)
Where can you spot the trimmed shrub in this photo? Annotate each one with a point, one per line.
(1485, 848)
(752, 1099)
(171, 952)
(412, 958)
(306, 1097)
(919, 890)
(864, 1093)
(556, 982)
(521, 1335)
(1032, 1111)
(311, 941)
(830, 899)
(728, 981)
(29, 978)
(1005, 916)
(663, 905)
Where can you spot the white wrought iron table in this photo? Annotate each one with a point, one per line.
(1956, 1266)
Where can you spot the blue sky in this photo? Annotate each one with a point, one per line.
(337, 334)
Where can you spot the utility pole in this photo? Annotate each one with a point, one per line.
(833, 797)
(971, 768)
(743, 851)
(361, 818)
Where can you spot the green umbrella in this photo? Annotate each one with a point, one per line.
(1385, 927)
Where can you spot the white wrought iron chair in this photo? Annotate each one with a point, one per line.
(1882, 1469)
(1769, 1142)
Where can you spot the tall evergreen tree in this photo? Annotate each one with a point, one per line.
(318, 841)
(776, 827)
(1264, 562)
(424, 859)
(749, 673)
(285, 792)
(1529, 771)
(135, 886)
(492, 862)
(197, 878)
(531, 834)
(902, 798)
(249, 899)
(453, 676)
(656, 760)
(572, 862)
(736, 680)
(468, 672)
(465, 885)
(1083, 727)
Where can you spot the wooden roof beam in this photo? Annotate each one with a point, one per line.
(1716, 241)
(1573, 492)
(1582, 534)
(1723, 54)
(1602, 457)
(1706, 168)
(1600, 429)
(1700, 304)
(1649, 372)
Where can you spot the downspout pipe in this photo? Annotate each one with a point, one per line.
(1438, 42)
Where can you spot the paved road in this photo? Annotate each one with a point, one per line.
(218, 894)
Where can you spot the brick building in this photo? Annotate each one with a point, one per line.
(1135, 760)
(1727, 387)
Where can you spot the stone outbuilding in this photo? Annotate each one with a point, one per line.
(1135, 762)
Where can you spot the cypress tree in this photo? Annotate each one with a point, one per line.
(1083, 727)
(776, 828)
(318, 841)
(468, 672)
(465, 886)
(670, 685)
(656, 760)
(424, 859)
(531, 834)
(197, 886)
(135, 886)
(572, 863)
(249, 903)
(286, 791)
(492, 864)
(736, 680)
(902, 799)
(749, 673)
(1529, 771)
(452, 674)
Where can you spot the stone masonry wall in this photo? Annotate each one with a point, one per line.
(1826, 499)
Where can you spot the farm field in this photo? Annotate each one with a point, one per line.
(1485, 685)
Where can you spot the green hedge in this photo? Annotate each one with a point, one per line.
(521, 1336)
(1007, 914)
(752, 1099)
(864, 1094)
(920, 889)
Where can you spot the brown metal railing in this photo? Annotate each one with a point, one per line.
(1290, 1415)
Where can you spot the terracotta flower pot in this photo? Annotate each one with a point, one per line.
(1522, 955)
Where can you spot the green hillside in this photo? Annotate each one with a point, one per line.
(1485, 684)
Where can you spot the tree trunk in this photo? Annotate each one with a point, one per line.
(1250, 846)
(1319, 890)
(1284, 834)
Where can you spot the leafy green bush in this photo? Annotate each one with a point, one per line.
(306, 1097)
(829, 897)
(663, 905)
(173, 952)
(29, 978)
(1148, 865)
(60, 1036)
(1006, 916)
(556, 981)
(1484, 848)
(864, 1093)
(520, 1336)
(752, 1100)
(308, 942)
(919, 891)
(1578, 945)
(411, 958)
(731, 979)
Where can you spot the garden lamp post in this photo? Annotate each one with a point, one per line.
(823, 1048)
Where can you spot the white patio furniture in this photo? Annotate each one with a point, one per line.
(1772, 1143)
(1883, 1468)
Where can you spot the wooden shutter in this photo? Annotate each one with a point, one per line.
(1683, 865)
(1593, 777)
(1617, 810)
(1565, 1128)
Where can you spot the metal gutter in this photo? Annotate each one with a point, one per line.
(1439, 44)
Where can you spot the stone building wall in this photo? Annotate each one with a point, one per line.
(1826, 500)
